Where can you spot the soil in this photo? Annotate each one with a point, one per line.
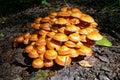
(15, 65)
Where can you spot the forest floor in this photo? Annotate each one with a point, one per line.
(15, 65)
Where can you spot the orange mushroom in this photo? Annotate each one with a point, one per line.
(63, 60)
(75, 37)
(61, 21)
(41, 49)
(33, 54)
(60, 37)
(72, 28)
(94, 36)
(64, 50)
(85, 51)
(50, 54)
(38, 63)
(87, 18)
(73, 53)
(70, 44)
(29, 48)
(48, 63)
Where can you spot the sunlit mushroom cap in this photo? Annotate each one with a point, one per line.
(64, 50)
(75, 37)
(94, 36)
(70, 44)
(73, 53)
(63, 60)
(85, 51)
(29, 48)
(50, 54)
(76, 14)
(72, 28)
(83, 38)
(41, 49)
(87, 18)
(41, 41)
(61, 21)
(60, 37)
(79, 44)
(37, 63)
(33, 54)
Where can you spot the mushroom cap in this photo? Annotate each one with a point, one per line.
(60, 37)
(41, 41)
(83, 38)
(61, 30)
(37, 20)
(33, 37)
(76, 14)
(53, 14)
(41, 49)
(79, 44)
(41, 56)
(75, 37)
(61, 21)
(85, 51)
(35, 25)
(75, 10)
(45, 26)
(94, 36)
(46, 19)
(87, 18)
(64, 50)
(19, 39)
(33, 54)
(29, 48)
(52, 44)
(48, 63)
(72, 28)
(50, 34)
(73, 53)
(63, 60)
(42, 32)
(63, 14)
(27, 35)
(70, 44)
(50, 54)
(37, 63)
(64, 9)
(74, 21)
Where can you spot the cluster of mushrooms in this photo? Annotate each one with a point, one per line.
(59, 37)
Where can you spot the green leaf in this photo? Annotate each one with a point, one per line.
(104, 42)
(1, 35)
(44, 2)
